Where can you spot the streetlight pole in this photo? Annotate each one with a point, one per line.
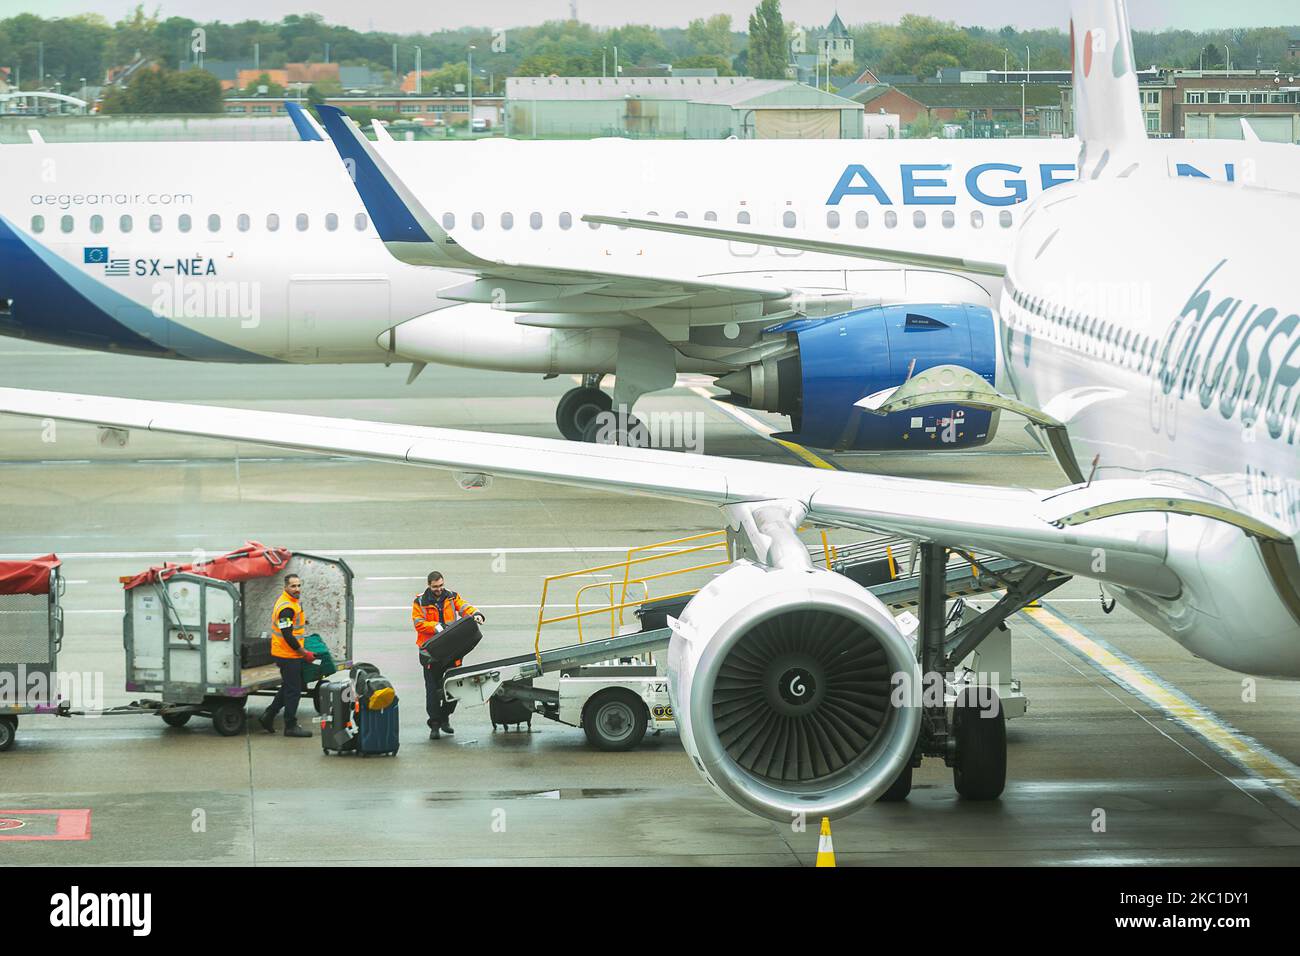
(419, 86)
(1024, 90)
(469, 90)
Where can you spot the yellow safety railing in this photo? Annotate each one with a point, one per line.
(665, 550)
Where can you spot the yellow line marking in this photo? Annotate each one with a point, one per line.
(1248, 754)
(764, 430)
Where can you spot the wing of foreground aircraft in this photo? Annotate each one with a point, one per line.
(1018, 523)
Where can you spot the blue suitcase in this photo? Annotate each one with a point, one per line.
(378, 731)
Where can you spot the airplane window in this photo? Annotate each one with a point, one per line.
(476, 220)
(38, 223)
(891, 219)
(710, 216)
(1004, 219)
(507, 220)
(566, 220)
(861, 219)
(789, 219)
(360, 221)
(124, 223)
(832, 219)
(331, 221)
(300, 222)
(949, 220)
(977, 219)
(535, 220)
(742, 217)
(183, 222)
(214, 223)
(449, 220)
(155, 223)
(243, 222)
(96, 224)
(65, 224)
(272, 222)
(918, 219)
(680, 214)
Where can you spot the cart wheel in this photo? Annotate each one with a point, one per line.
(8, 733)
(615, 720)
(177, 720)
(228, 718)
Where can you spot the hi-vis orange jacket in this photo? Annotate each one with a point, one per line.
(427, 612)
(287, 609)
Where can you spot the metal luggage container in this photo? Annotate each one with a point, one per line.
(31, 635)
(184, 637)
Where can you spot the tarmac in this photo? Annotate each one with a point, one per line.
(1133, 752)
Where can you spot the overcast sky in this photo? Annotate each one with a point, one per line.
(430, 15)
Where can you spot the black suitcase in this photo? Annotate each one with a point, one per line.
(255, 652)
(337, 728)
(506, 712)
(654, 614)
(451, 643)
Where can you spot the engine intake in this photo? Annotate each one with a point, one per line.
(782, 683)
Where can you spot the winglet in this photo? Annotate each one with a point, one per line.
(408, 229)
(1107, 108)
(308, 129)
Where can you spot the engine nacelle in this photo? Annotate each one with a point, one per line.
(476, 335)
(836, 361)
(781, 682)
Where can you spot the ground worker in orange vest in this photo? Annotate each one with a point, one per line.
(288, 629)
(431, 611)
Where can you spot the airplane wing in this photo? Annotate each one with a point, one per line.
(901, 256)
(414, 236)
(1041, 527)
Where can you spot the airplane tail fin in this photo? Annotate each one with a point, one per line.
(1107, 109)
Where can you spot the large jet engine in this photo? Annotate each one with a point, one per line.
(782, 682)
(830, 363)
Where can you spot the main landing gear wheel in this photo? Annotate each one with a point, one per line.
(899, 789)
(615, 720)
(980, 769)
(577, 407)
(607, 428)
(8, 733)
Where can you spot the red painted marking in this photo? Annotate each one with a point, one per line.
(68, 824)
(6, 824)
(1087, 54)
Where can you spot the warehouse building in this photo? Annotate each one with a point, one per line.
(1210, 104)
(677, 107)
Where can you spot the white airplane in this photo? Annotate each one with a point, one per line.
(263, 252)
(1180, 406)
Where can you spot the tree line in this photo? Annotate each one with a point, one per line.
(46, 51)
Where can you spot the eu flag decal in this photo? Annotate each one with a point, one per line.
(95, 255)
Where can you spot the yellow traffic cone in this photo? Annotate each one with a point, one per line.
(825, 849)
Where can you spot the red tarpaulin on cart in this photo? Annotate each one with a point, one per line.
(253, 560)
(27, 577)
